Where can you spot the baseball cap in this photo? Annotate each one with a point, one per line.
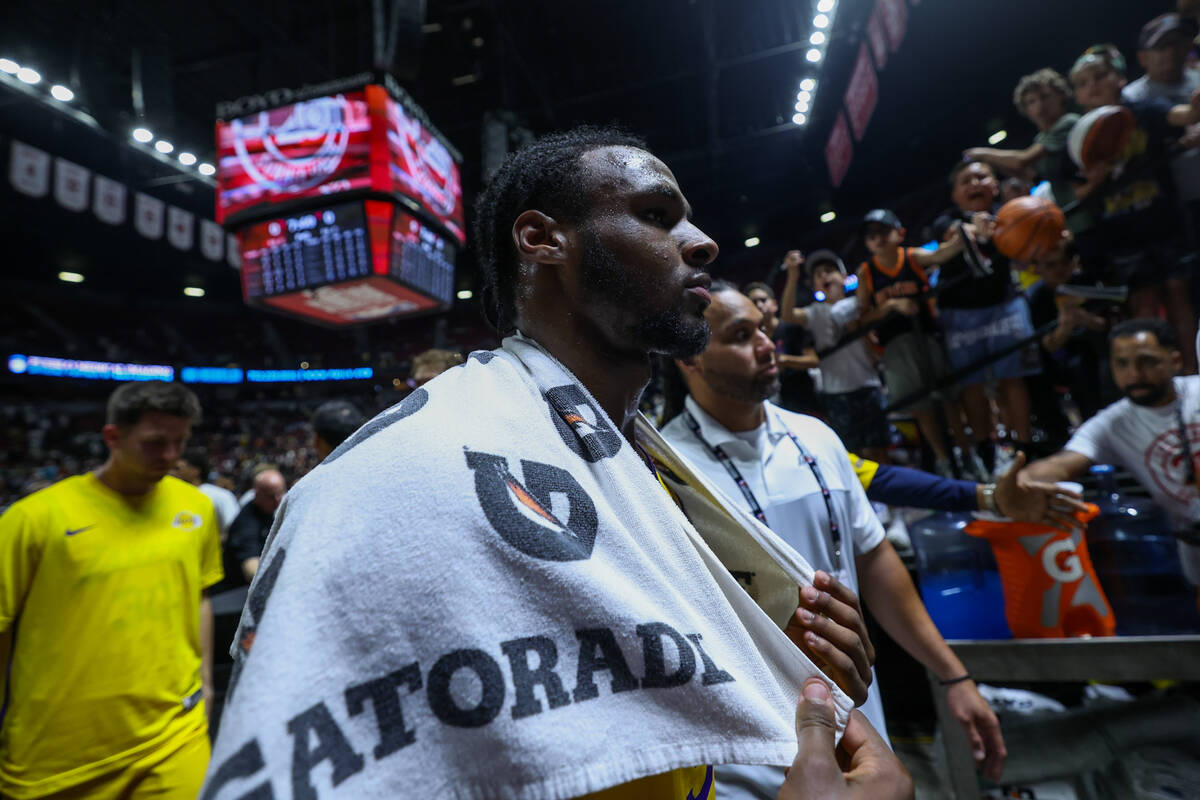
(1106, 54)
(883, 216)
(1154, 30)
(818, 257)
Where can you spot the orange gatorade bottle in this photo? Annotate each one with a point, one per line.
(1050, 587)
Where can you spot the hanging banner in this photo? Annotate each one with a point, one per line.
(71, 185)
(29, 170)
(212, 240)
(232, 255)
(181, 228)
(148, 215)
(839, 150)
(108, 200)
(895, 20)
(877, 34)
(862, 93)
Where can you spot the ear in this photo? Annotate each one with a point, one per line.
(1176, 361)
(903, 232)
(111, 435)
(539, 238)
(688, 366)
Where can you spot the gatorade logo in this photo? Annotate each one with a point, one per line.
(1070, 570)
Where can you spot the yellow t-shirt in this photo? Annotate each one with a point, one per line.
(691, 783)
(100, 607)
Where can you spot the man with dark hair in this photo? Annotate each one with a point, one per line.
(332, 424)
(193, 466)
(794, 350)
(104, 575)
(248, 532)
(515, 511)
(1154, 431)
(433, 362)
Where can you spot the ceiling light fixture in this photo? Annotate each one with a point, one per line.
(61, 93)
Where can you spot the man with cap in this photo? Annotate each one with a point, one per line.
(1162, 51)
(851, 392)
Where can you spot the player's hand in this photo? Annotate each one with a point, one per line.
(793, 261)
(983, 226)
(828, 627)
(862, 767)
(903, 305)
(1026, 500)
(980, 725)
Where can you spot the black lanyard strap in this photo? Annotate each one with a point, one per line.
(719, 453)
(1185, 442)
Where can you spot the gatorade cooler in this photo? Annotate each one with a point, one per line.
(958, 578)
(1050, 587)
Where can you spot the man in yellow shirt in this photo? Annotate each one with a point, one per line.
(103, 623)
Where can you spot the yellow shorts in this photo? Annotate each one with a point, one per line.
(175, 774)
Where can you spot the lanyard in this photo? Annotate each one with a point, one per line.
(719, 453)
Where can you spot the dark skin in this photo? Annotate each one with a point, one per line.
(641, 217)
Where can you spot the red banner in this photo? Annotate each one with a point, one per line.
(862, 94)
(839, 150)
(895, 20)
(877, 34)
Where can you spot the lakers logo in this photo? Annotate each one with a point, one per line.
(186, 520)
(581, 425)
(523, 511)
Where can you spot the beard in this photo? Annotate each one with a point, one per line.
(1151, 394)
(738, 387)
(610, 285)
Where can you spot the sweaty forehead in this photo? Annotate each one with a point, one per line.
(627, 169)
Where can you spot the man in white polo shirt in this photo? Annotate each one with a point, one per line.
(794, 474)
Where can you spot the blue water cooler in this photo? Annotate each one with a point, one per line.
(1136, 558)
(959, 580)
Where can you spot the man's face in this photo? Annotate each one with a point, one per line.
(765, 304)
(1097, 85)
(1056, 267)
(1043, 105)
(881, 238)
(269, 488)
(641, 280)
(739, 362)
(975, 188)
(1164, 62)
(1142, 368)
(147, 450)
(828, 278)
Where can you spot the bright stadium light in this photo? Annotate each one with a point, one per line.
(70, 277)
(821, 21)
(752, 242)
(163, 146)
(997, 137)
(207, 169)
(807, 85)
(817, 38)
(799, 118)
(30, 76)
(803, 96)
(187, 159)
(465, 294)
(828, 216)
(142, 135)
(802, 106)
(825, 6)
(813, 55)
(193, 291)
(61, 93)
(9, 66)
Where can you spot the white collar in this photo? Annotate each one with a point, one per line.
(717, 434)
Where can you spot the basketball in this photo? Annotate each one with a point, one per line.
(1026, 226)
(1100, 135)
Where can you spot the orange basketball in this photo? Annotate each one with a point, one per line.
(1100, 135)
(1027, 226)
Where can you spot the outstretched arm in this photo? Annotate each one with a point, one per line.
(1014, 162)
(789, 312)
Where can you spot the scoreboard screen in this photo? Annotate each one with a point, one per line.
(306, 250)
(421, 257)
(422, 168)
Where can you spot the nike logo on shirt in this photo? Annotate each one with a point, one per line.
(72, 532)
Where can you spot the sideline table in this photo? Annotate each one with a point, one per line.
(1114, 659)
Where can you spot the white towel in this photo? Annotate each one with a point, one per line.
(484, 593)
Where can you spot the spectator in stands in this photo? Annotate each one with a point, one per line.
(1153, 432)
(258, 468)
(1134, 199)
(891, 285)
(332, 424)
(1163, 47)
(428, 365)
(982, 316)
(1012, 188)
(193, 467)
(107, 573)
(851, 393)
(794, 351)
(1044, 98)
(248, 533)
(1068, 359)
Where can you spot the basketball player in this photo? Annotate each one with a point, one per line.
(102, 606)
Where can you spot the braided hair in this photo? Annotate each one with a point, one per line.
(544, 175)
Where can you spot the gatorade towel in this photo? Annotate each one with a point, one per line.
(1050, 587)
